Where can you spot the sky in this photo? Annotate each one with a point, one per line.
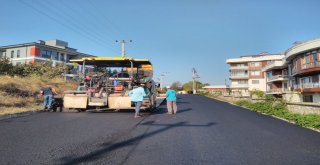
(176, 35)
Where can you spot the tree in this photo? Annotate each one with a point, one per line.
(176, 86)
(6, 66)
(188, 86)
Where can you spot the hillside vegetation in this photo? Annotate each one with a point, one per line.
(20, 85)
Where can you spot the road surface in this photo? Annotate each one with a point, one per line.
(205, 131)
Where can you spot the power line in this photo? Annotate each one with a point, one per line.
(89, 19)
(105, 19)
(80, 32)
(72, 22)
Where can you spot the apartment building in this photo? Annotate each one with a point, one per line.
(56, 51)
(277, 77)
(246, 73)
(304, 69)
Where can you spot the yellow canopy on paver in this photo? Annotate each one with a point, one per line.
(113, 62)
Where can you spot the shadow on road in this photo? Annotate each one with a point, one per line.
(183, 102)
(108, 148)
(184, 110)
(165, 110)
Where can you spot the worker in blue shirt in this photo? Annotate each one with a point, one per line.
(136, 96)
(171, 97)
(47, 93)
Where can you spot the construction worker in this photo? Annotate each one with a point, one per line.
(47, 93)
(171, 97)
(136, 96)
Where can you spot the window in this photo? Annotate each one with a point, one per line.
(46, 53)
(61, 57)
(255, 64)
(306, 61)
(269, 74)
(56, 56)
(305, 80)
(12, 53)
(18, 53)
(285, 85)
(285, 72)
(314, 56)
(307, 98)
(255, 81)
(242, 82)
(255, 73)
(239, 73)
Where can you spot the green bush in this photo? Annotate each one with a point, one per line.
(258, 93)
(310, 120)
(42, 69)
(6, 67)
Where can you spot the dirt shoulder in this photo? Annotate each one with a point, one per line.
(19, 94)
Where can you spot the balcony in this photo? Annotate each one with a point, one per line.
(277, 78)
(277, 91)
(308, 87)
(239, 68)
(311, 65)
(239, 86)
(274, 65)
(242, 76)
(307, 68)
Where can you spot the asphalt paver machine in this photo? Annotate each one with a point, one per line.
(109, 82)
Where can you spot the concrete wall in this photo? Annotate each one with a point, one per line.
(304, 108)
(316, 98)
(292, 97)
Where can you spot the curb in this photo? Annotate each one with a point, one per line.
(21, 114)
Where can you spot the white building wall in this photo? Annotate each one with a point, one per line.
(262, 86)
(316, 98)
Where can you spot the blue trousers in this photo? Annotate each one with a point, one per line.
(47, 101)
(138, 105)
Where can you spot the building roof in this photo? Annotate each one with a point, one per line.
(215, 86)
(48, 44)
(256, 58)
(302, 47)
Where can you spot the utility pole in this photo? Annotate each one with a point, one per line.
(162, 75)
(123, 47)
(194, 78)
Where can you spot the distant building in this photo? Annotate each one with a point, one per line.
(246, 73)
(223, 89)
(56, 51)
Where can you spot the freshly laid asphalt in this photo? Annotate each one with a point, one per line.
(204, 131)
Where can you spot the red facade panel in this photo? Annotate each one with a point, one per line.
(34, 51)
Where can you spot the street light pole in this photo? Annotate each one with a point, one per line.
(123, 48)
(194, 77)
(162, 75)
